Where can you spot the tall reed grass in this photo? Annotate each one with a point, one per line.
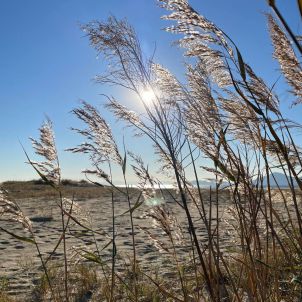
(225, 112)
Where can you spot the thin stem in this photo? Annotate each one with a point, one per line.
(64, 248)
(133, 237)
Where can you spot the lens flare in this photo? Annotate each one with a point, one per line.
(148, 96)
(152, 202)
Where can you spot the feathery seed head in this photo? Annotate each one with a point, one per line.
(122, 113)
(10, 211)
(289, 63)
(75, 211)
(100, 143)
(164, 219)
(46, 147)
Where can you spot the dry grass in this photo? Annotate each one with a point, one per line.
(4, 297)
(83, 281)
(225, 112)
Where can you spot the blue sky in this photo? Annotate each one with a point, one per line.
(47, 65)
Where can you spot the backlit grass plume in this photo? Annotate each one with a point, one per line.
(46, 148)
(10, 211)
(285, 54)
(100, 144)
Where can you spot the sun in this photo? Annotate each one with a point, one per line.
(148, 96)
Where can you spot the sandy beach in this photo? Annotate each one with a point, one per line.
(21, 266)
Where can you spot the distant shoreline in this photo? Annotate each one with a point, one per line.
(71, 189)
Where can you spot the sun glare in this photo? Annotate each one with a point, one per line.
(148, 96)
